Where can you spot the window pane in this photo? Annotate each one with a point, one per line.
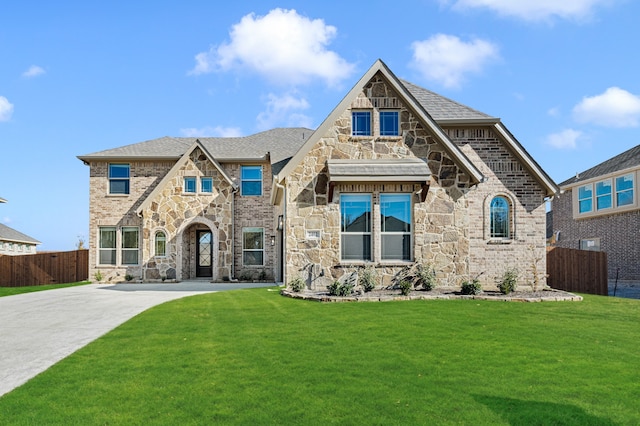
(361, 123)
(499, 218)
(624, 190)
(252, 172)
(206, 184)
(603, 195)
(189, 184)
(389, 123)
(130, 237)
(395, 212)
(624, 182)
(253, 258)
(356, 247)
(130, 257)
(252, 238)
(251, 188)
(161, 244)
(107, 257)
(355, 213)
(586, 205)
(119, 186)
(108, 237)
(119, 171)
(396, 247)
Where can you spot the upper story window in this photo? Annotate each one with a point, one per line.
(585, 198)
(604, 198)
(119, 178)
(361, 123)
(161, 244)
(395, 226)
(251, 180)
(190, 184)
(624, 190)
(206, 184)
(499, 218)
(389, 123)
(355, 226)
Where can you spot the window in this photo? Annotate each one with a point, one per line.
(603, 195)
(624, 190)
(107, 245)
(130, 245)
(389, 123)
(161, 244)
(361, 123)
(253, 246)
(190, 184)
(395, 226)
(585, 198)
(251, 177)
(355, 226)
(206, 184)
(499, 218)
(118, 178)
(591, 244)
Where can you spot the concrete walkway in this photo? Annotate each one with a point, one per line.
(39, 329)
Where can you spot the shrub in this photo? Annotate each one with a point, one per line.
(367, 279)
(405, 287)
(340, 289)
(472, 287)
(426, 276)
(128, 277)
(297, 285)
(98, 276)
(333, 288)
(508, 282)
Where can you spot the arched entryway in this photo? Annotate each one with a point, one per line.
(197, 250)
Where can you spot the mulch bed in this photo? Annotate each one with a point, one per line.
(439, 293)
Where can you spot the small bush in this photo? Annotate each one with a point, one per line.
(333, 288)
(508, 282)
(367, 279)
(98, 276)
(297, 285)
(128, 277)
(471, 287)
(426, 277)
(340, 289)
(405, 287)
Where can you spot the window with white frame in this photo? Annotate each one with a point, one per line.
(206, 184)
(107, 245)
(585, 198)
(119, 178)
(591, 244)
(389, 123)
(190, 184)
(160, 244)
(130, 245)
(499, 218)
(361, 123)
(604, 197)
(624, 190)
(395, 226)
(251, 180)
(253, 246)
(355, 227)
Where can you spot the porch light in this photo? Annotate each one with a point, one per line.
(273, 240)
(280, 223)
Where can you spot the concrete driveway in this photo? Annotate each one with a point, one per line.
(39, 329)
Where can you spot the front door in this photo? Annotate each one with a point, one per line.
(204, 254)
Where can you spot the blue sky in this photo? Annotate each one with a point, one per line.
(80, 77)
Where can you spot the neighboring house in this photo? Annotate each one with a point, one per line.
(598, 209)
(13, 242)
(395, 175)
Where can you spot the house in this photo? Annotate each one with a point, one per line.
(13, 242)
(395, 175)
(598, 209)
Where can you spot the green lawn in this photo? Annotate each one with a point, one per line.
(255, 357)
(9, 291)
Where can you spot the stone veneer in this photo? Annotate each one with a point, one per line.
(450, 229)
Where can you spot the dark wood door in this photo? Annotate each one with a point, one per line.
(204, 251)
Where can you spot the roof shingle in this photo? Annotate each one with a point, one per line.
(627, 159)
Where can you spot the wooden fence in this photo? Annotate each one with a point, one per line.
(581, 271)
(44, 268)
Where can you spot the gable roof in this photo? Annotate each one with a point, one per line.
(174, 170)
(10, 234)
(626, 160)
(458, 157)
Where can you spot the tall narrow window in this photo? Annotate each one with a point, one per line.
(389, 123)
(161, 244)
(395, 226)
(355, 226)
(251, 177)
(253, 246)
(585, 198)
(603, 195)
(130, 245)
(499, 218)
(190, 184)
(624, 190)
(361, 123)
(107, 245)
(119, 178)
(206, 184)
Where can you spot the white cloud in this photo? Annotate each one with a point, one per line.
(554, 111)
(284, 111)
(6, 109)
(33, 71)
(208, 131)
(566, 139)
(613, 108)
(448, 60)
(6, 219)
(283, 46)
(534, 10)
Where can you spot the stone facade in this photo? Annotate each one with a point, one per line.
(450, 227)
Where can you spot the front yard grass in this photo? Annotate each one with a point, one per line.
(255, 357)
(10, 291)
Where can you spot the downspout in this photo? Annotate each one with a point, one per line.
(144, 270)
(233, 278)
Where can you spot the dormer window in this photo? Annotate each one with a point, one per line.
(361, 123)
(389, 123)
